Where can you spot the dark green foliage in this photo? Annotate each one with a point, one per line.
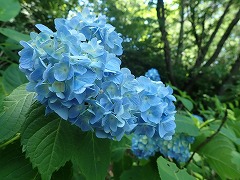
(14, 165)
(140, 172)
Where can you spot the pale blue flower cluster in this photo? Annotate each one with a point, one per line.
(76, 73)
(144, 147)
(177, 148)
(153, 74)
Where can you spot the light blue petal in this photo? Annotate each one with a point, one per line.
(61, 71)
(44, 29)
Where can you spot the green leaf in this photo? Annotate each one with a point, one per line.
(2, 95)
(14, 165)
(185, 124)
(119, 148)
(236, 159)
(15, 106)
(64, 173)
(237, 113)
(9, 9)
(11, 45)
(12, 78)
(46, 140)
(227, 132)
(218, 153)
(122, 165)
(168, 170)
(140, 173)
(14, 35)
(187, 103)
(92, 156)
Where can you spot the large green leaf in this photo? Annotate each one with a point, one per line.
(92, 156)
(15, 106)
(185, 124)
(219, 155)
(47, 140)
(12, 78)
(228, 132)
(168, 170)
(14, 165)
(119, 148)
(14, 35)
(9, 9)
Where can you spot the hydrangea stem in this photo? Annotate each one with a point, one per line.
(16, 137)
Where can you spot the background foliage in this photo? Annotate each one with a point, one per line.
(194, 44)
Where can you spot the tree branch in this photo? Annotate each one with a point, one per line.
(223, 39)
(195, 77)
(180, 39)
(167, 51)
(194, 31)
(204, 49)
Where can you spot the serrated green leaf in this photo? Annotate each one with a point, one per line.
(185, 124)
(14, 35)
(168, 170)
(14, 165)
(46, 141)
(9, 9)
(15, 106)
(218, 155)
(12, 78)
(92, 156)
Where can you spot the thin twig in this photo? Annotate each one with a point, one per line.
(16, 137)
(208, 139)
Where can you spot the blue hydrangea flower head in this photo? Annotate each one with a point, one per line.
(153, 74)
(177, 148)
(76, 73)
(143, 147)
